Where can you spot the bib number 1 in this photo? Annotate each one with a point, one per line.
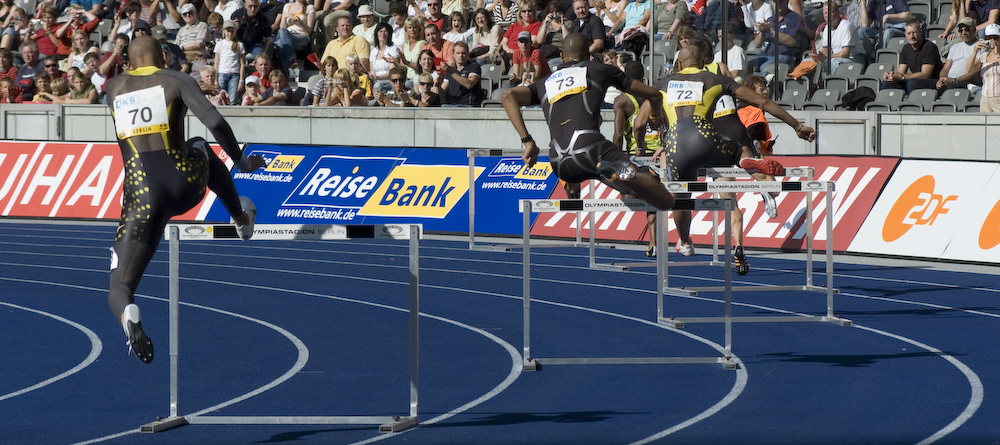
(141, 112)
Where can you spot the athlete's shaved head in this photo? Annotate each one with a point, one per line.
(145, 51)
(689, 56)
(576, 47)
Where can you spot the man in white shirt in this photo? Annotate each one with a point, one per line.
(954, 73)
(839, 48)
(736, 59)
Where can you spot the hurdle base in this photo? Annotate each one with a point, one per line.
(618, 267)
(531, 364)
(728, 364)
(400, 424)
(163, 424)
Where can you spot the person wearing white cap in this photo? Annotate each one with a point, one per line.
(987, 63)
(366, 28)
(193, 36)
(954, 73)
(297, 21)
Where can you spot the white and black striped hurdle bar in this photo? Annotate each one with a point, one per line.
(286, 232)
(729, 172)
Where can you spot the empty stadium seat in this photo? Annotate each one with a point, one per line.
(886, 100)
(919, 100)
(823, 99)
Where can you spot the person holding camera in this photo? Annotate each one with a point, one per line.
(79, 19)
(550, 35)
(987, 62)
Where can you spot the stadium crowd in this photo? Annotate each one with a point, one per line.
(922, 54)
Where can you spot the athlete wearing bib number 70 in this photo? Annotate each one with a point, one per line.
(571, 99)
(165, 175)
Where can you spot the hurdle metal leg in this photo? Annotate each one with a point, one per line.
(386, 424)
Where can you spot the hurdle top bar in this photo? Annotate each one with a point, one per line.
(732, 172)
(297, 231)
(755, 186)
(619, 205)
(481, 152)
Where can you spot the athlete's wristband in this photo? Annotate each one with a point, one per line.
(527, 139)
(244, 165)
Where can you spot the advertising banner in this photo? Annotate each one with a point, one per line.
(936, 209)
(352, 185)
(858, 179)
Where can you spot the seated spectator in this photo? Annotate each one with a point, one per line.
(51, 65)
(229, 64)
(43, 84)
(413, 45)
(225, 8)
(280, 93)
(838, 49)
(526, 21)
(426, 96)
(92, 62)
(79, 20)
(7, 68)
(345, 92)
(9, 92)
(755, 12)
(889, 16)
(366, 28)
(984, 12)
(955, 70)
(319, 91)
(383, 57)
(113, 62)
(458, 31)
(210, 87)
(397, 17)
(528, 64)
(364, 82)
(59, 91)
(252, 87)
(141, 28)
(786, 41)
(17, 31)
(297, 21)
(444, 53)
(82, 91)
(434, 15)
(252, 27)
(399, 96)
(736, 59)
(174, 58)
(26, 73)
(957, 11)
(711, 19)
(485, 38)
(193, 38)
(450, 7)
(426, 65)
(461, 80)
(586, 23)
(987, 63)
(45, 37)
(262, 66)
(81, 47)
(550, 34)
(919, 62)
(670, 16)
(126, 18)
(505, 12)
(347, 43)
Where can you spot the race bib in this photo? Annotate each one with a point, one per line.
(683, 92)
(725, 106)
(141, 112)
(566, 82)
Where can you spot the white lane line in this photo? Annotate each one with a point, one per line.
(95, 347)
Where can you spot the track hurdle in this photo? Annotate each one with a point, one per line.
(204, 232)
(826, 187)
(529, 206)
(483, 152)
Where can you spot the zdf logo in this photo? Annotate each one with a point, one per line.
(918, 205)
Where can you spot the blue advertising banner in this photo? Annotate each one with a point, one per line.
(354, 185)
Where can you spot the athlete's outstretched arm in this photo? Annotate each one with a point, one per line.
(801, 130)
(512, 100)
(213, 120)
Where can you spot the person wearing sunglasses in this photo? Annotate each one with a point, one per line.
(955, 72)
(193, 37)
(399, 96)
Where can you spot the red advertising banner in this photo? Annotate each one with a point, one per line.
(858, 183)
(65, 180)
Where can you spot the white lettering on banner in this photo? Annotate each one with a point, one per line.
(40, 179)
(23, 178)
(94, 185)
(14, 173)
(72, 179)
(931, 206)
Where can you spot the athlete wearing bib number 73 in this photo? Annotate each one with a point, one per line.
(165, 175)
(571, 99)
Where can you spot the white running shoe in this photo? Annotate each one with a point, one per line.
(770, 207)
(684, 249)
(250, 209)
(135, 338)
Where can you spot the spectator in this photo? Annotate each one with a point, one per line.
(43, 84)
(397, 12)
(987, 62)
(141, 28)
(252, 28)
(113, 63)
(229, 60)
(76, 23)
(297, 21)
(840, 44)
(587, 24)
(434, 16)
(670, 15)
(91, 6)
(788, 29)
(736, 59)
(711, 19)
(226, 8)
(506, 11)
(7, 68)
(319, 91)
(957, 12)
(262, 66)
(347, 43)
(345, 92)
(755, 12)
(985, 12)
(955, 69)
(486, 38)
(51, 65)
(149, 12)
(526, 21)
(450, 7)
(399, 96)
(528, 64)
(427, 97)
(6, 7)
(252, 87)
(174, 58)
(10, 93)
(210, 86)
(426, 65)
(383, 57)
(80, 48)
(608, 11)
(93, 63)
(550, 34)
(332, 11)
(82, 92)
(444, 53)
(130, 11)
(366, 28)
(280, 93)
(630, 24)
(409, 53)
(194, 36)
(888, 15)
(17, 31)
(363, 81)
(919, 62)
(458, 31)
(45, 37)
(462, 79)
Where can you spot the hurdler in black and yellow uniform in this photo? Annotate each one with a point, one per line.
(164, 174)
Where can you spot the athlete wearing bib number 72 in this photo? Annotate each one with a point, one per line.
(165, 175)
(571, 99)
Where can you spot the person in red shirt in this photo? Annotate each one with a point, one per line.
(78, 19)
(46, 38)
(7, 68)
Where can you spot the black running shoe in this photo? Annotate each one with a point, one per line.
(742, 266)
(135, 338)
(616, 170)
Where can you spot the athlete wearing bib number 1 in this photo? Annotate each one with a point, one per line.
(165, 175)
(571, 99)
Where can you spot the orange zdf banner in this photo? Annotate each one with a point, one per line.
(65, 180)
(858, 182)
(936, 209)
